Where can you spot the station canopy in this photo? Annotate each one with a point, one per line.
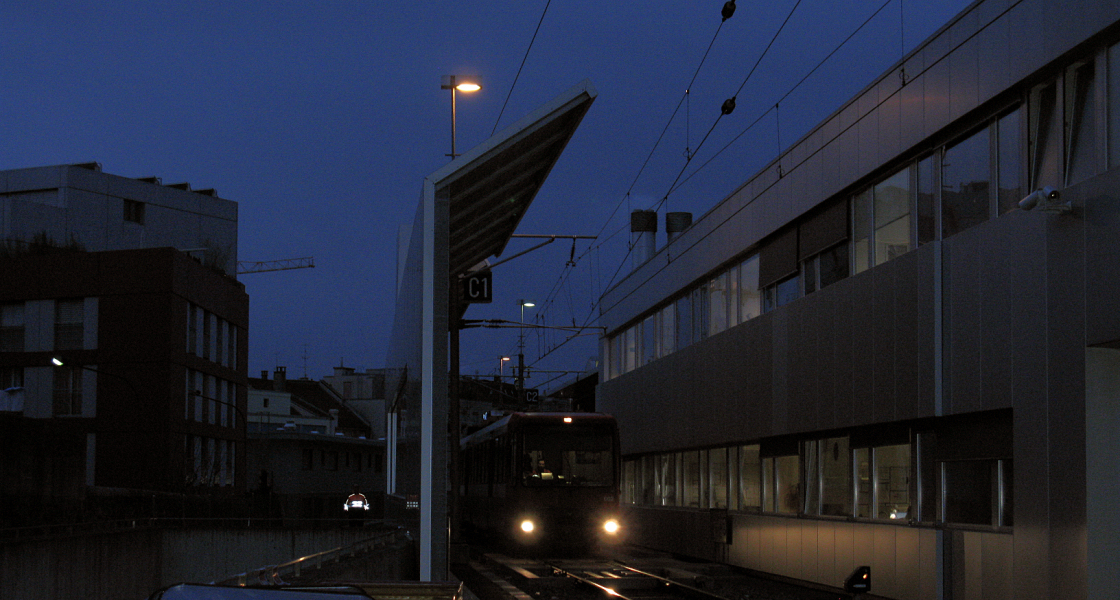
(491, 187)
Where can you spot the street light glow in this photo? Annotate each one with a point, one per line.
(468, 87)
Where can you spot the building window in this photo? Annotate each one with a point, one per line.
(828, 477)
(717, 478)
(926, 200)
(667, 321)
(666, 482)
(750, 469)
(883, 482)
(781, 293)
(1045, 136)
(649, 339)
(192, 329)
(690, 470)
(67, 391)
(781, 484)
(11, 327)
(717, 304)
(892, 216)
(1009, 156)
(825, 268)
(976, 492)
(750, 299)
(965, 183)
(1081, 143)
(1114, 106)
(308, 455)
(207, 332)
(11, 377)
(69, 332)
(684, 321)
(134, 212)
(231, 351)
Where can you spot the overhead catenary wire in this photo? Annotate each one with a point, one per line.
(523, 59)
(726, 12)
(600, 241)
(787, 94)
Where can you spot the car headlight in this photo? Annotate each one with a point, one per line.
(611, 526)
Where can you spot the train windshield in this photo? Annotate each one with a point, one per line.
(568, 455)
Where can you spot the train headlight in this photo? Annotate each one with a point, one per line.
(610, 526)
(527, 526)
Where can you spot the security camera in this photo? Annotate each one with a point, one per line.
(1046, 199)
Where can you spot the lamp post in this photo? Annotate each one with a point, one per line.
(450, 82)
(501, 366)
(521, 349)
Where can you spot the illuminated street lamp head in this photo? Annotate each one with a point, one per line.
(525, 303)
(470, 84)
(56, 361)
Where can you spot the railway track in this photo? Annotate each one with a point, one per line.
(643, 577)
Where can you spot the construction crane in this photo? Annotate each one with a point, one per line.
(284, 264)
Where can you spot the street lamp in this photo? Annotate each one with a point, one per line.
(501, 366)
(450, 83)
(521, 348)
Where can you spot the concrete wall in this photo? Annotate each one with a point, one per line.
(133, 564)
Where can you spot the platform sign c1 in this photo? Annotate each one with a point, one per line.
(478, 287)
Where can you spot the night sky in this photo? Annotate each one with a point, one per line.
(321, 120)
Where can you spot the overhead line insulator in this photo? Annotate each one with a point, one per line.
(728, 9)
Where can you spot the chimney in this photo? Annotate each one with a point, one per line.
(264, 375)
(643, 231)
(675, 223)
(280, 378)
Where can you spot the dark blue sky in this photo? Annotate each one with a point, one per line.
(321, 120)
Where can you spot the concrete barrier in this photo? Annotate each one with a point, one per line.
(134, 563)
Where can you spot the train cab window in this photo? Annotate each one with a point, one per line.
(567, 455)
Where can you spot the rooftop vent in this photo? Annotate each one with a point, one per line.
(643, 229)
(676, 222)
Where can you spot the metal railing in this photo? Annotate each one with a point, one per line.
(276, 574)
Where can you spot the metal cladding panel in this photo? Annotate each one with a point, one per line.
(883, 356)
(802, 403)
(1066, 393)
(843, 383)
(961, 319)
(827, 368)
(964, 79)
(994, 48)
(936, 110)
(884, 561)
(997, 319)
(864, 347)
(890, 124)
(869, 157)
(1101, 202)
(912, 112)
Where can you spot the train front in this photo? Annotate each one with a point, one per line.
(568, 487)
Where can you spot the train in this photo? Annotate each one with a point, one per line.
(544, 479)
